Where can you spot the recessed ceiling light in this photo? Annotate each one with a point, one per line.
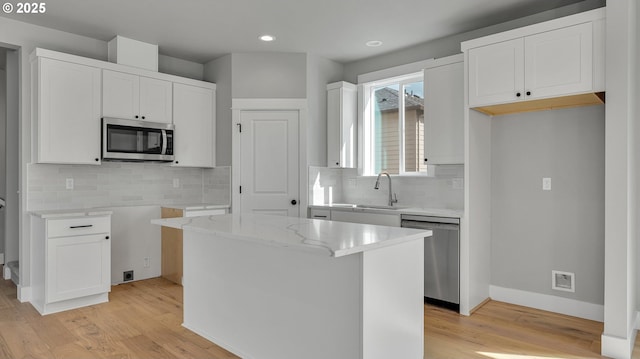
(266, 38)
(373, 43)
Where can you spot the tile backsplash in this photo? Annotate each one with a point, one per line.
(124, 184)
(443, 189)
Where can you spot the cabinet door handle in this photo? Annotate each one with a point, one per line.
(316, 216)
(528, 93)
(518, 94)
(84, 226)
(294, 202)
(106, 238)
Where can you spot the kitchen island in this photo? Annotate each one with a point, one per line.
(272, 287)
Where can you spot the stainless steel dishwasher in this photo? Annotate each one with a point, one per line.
(441, 258)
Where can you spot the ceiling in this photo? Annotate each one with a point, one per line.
(202, 30)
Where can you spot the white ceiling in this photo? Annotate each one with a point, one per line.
(202, 30)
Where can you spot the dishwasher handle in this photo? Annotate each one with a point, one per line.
(429, 225)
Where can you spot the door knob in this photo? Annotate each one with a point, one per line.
(294, 202)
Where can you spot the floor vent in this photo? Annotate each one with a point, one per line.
(564, 281)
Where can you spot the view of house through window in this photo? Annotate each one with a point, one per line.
(396, 128)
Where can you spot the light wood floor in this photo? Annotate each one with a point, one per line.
(142, 320)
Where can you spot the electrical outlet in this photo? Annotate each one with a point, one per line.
(147, 262)
(69, 183)
(127, 276)
(546, 184)
(176, 183)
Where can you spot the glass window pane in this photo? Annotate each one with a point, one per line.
(414, 127)
(386, 130)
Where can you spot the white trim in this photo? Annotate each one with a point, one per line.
(616, 347)
(288, 104)
(443, 61)
(248, 104)
(6, 275)
(395, 71)
(105, 65)
(586, 16)
(549, 303)
(24, 294)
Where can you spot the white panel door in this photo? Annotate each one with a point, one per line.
(120, 94)
(496, 73)
(78, 266)
(156, 104)
(194, 118)
(559, 62)
(269, 162)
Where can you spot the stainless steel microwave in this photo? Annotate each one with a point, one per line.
(132, 140)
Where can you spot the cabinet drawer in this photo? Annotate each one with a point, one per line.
(77, 226)
(320, 214)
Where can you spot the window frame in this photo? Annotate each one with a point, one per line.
(367, 143)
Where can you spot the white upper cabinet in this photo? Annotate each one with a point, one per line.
(194, 120)
(558, 58)
(341, 124)
(496, 73)
(131, 96)
(444, 111)
(66, 108)
(559, 62)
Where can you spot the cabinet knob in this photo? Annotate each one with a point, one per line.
(143, 117)
(337, 163)
(97, 159)
(177, 162)
(426, 159)
(518, 94)
(107, 237)
(294, 202)
(528, 93)
(137, 116)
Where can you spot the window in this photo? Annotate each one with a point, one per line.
(393, 126)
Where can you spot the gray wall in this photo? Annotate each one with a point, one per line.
(451, 45)
(3, 152)
(180, 67)
(269, 75)
(12, 212)
(320, 72)
(219, 71)
(536, 231)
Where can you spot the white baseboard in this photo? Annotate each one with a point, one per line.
(551, 303)
(7, 273)
(616, 347)
(24, 294)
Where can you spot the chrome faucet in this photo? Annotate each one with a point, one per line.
(392, 199)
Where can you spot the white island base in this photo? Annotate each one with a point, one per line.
(261, 300)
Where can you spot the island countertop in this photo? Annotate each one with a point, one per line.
(337, 239)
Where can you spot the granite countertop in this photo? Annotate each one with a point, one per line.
(437, 212)
(68, 213)
(336, 239)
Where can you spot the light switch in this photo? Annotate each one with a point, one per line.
(546, 183)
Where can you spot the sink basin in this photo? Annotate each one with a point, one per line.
(373, 206)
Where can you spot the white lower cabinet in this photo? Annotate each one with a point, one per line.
(72, 262)
(381, 219)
